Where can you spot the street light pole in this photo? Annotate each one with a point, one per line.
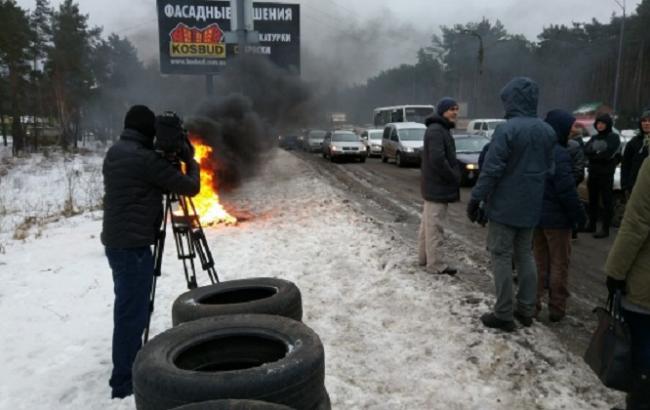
(620, 56)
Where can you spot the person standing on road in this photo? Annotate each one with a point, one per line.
(636, 151)
(603, 153)
(561, 212)
(628, 271)
(511, 184)
(135, 177)
(440, 184)
(576, 148)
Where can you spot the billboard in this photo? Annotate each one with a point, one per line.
(192, 35)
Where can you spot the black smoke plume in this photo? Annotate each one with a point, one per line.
(256, 101)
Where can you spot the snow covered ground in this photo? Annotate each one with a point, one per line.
(394, 336)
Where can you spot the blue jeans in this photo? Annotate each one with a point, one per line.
(507, 243)
(132, 279)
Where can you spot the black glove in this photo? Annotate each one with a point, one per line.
(482, 215)
(187, 152)
(473, 210)
(614, 285)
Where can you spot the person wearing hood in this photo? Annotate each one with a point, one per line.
(511, 184)
(628, 273)
(561, 212)
(439, 183)
(135, 177)
(636, 151)
(603, 153)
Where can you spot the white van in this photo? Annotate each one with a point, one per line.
(484, 126)
(403, 142)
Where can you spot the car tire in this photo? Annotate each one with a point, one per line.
(398, 160)
(259, 357)
(227, 404)
(384, 158)
(270, 296)
(362, 159)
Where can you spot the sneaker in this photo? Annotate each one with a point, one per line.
(448, 271)
(489, 320)
(524, 320)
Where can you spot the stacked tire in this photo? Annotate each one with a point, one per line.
(237, 344)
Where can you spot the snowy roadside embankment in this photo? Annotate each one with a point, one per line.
(394, 336)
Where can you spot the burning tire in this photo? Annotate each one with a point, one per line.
(249, 357)
(256, 295)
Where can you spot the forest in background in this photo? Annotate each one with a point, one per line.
(68, 81)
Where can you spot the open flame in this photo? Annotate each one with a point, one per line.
(207, 204)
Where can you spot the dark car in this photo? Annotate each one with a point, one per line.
(468, 148)
(289, 141)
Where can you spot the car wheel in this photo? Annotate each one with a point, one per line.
(261, 357)
(362, 159)
(255, 295)
(384, 158)
(398, 160)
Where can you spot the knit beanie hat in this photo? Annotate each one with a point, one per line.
(142, 119)
(445, 104)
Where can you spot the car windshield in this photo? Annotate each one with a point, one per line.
(493, 124)
(375, 135)
(317, 135)
(412, 134)
(470, 144)
(417, 114)
(345, 137)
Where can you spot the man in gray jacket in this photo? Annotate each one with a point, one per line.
(511, 185)
(440, 184)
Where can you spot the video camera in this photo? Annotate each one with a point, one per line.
(171, 137)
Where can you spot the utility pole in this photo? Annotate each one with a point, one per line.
(620, 56)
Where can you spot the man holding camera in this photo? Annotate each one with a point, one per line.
(135, 179)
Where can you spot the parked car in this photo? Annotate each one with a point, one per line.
(402, 142)
(289, 141)
(468, 149)
(484, 126)
(313, 140)
(339, 144)
(372, 140)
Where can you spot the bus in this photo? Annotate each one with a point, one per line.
(401, 113)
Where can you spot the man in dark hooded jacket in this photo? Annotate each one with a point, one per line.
(636, 151)
(561, 212)
(135, 178)
(603, 153)
(440, 184)
(511, 183)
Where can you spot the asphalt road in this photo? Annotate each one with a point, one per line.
(391, 196)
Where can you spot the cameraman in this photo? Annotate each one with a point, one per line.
(135, 178)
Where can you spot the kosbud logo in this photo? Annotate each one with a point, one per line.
(206, 42)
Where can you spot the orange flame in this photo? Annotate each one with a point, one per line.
(207, 204)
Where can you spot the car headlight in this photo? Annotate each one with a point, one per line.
(408, 149)
(334, 148)
(471, 167)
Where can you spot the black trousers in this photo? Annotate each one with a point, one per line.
(601, 191)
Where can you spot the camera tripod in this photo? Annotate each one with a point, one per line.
(190, 243)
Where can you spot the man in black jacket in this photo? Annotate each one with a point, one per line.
(135, 178)
(603, 153)
(636, 151)
(440, 184)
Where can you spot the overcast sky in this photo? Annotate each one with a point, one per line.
(401, 26)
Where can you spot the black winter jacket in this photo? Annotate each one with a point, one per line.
(603, 150)
(135, 178)
(635, 153)
(440, 180)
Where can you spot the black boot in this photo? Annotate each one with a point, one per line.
(639, 396)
